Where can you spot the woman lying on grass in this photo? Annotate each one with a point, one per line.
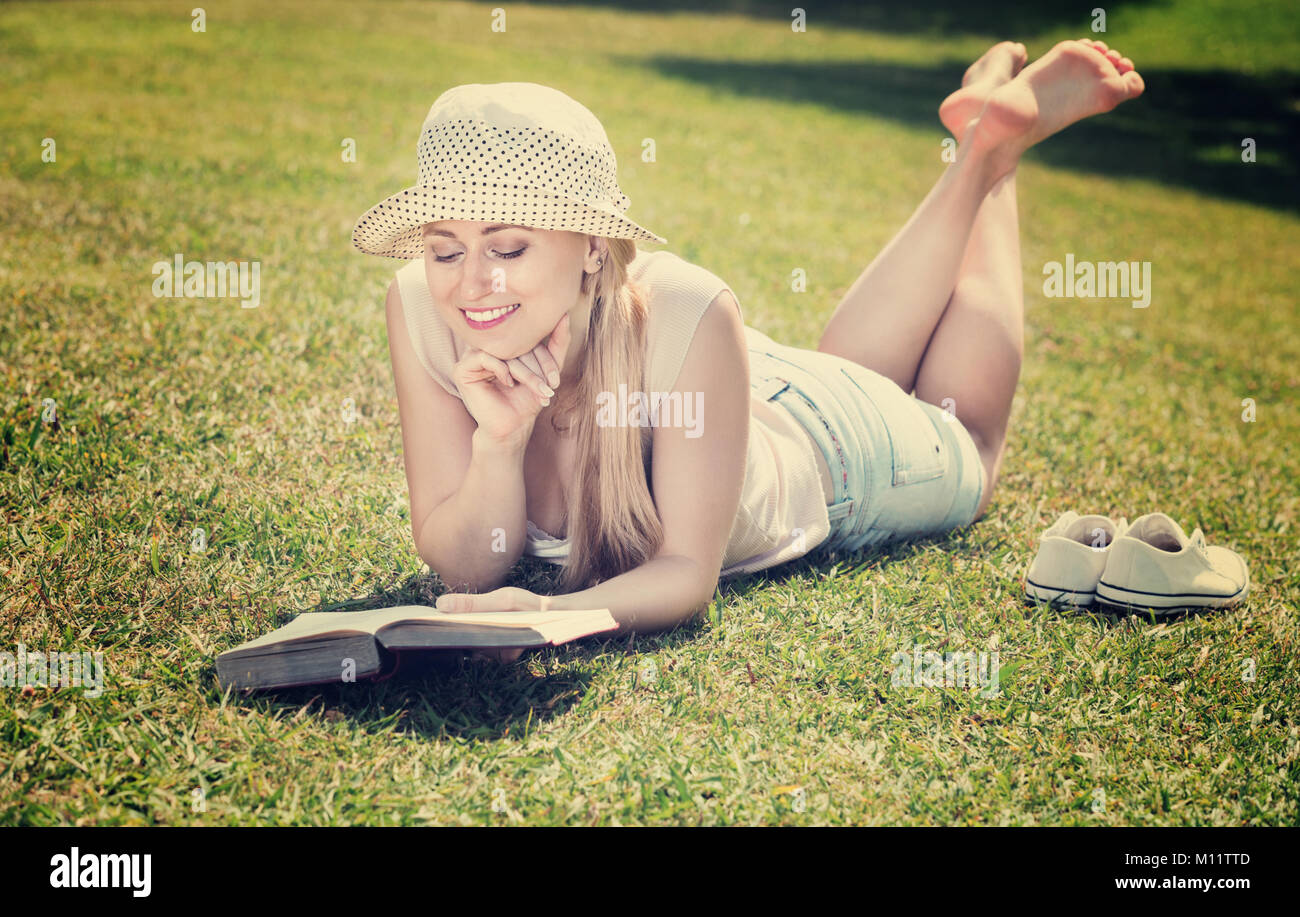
(526, 314)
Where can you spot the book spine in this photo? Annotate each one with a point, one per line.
(392, 661)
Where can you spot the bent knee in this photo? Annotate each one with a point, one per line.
(990, 454)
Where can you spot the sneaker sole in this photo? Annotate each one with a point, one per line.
(1076, 597)
(1137, 598)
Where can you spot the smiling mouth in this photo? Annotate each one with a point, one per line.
(489, 316)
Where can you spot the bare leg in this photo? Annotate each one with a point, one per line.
(975, 353)
(888, 316)
(958, 265)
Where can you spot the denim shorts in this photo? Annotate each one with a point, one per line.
(901, 468)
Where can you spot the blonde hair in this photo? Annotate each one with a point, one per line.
(612, 523)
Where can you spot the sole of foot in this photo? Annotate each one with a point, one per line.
(1074, 80)
(998, 65)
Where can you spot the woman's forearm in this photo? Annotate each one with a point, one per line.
(657, 595)
(457, 538)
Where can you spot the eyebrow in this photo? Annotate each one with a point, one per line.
(487, 230)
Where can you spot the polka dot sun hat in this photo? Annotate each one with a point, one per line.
(518, 153)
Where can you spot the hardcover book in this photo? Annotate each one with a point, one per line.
(345, 646)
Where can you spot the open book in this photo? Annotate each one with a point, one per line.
(343, 646)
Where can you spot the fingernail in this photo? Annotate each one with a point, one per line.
(546, 402)
(548, 391)
(553, 377)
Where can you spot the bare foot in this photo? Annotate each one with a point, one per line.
(1122, 64)
(1074, 80)
(998, 65)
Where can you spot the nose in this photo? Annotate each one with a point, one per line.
(476, 278)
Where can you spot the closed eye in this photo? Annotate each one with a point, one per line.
(445, 259)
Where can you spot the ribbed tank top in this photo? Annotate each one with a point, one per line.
(782, 513)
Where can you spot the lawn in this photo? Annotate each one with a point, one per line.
(275, 429)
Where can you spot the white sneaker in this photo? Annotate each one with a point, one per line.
(1156, 565)
(1072, 554)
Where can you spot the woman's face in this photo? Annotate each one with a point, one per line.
(476, 268)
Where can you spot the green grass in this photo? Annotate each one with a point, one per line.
(776, 706)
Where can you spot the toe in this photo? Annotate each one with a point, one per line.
(1125, 65)
(1113, 56)
(1099, 45)
(1134, 83)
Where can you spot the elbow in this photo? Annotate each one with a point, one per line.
(699, 600)
(452, 576)
(706, 594)
(460, 574)
(706, 585)
(476, 585)
(701, 581)
(707, 574)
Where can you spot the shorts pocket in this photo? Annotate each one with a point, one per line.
(915, 446)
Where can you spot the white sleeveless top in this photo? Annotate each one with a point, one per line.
(782, 513)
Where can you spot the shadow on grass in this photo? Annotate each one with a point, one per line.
(1006, 19)
(443, 694)
(1186, 130)
(1119, 616)
(880, 557)
(820, 563)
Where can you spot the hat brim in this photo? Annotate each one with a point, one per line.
(394, 228)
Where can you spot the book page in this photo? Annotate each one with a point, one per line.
(496, 629)
(315, 624)
(500, 618)
(319, 623)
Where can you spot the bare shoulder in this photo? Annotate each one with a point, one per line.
(721, 320)
(726, 302)
(717, 348)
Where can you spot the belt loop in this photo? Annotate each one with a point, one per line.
(840, 510)
(768, 388)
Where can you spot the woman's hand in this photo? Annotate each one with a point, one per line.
(505, 396)
(507, 598)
